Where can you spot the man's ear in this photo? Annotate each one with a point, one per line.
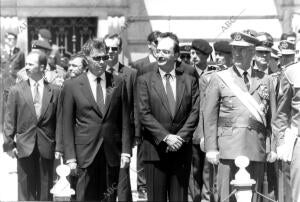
(176, 55)
(42, 68)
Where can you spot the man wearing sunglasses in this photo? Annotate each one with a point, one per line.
(169, 111)
(113, 44)
(96, 128)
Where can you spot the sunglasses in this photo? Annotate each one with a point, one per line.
(99, 58)
(112, 48)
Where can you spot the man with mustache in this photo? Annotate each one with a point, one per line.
(30, 129)
(237, 116)
(169, 111)
(96, 131)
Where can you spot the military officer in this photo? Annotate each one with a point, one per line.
(185, 53)
(223, 54)
(286, 125)
(288, 51)
(238, 111)
(263, 52)
(200, 52)
(274, 61)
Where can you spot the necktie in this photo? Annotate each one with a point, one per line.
(246, 80)
(99, 95)
(111, 70)
(170, 94)
(37, 100)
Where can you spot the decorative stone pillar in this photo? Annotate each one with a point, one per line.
(242, 182)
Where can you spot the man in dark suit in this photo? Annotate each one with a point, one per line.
(169, 111)
(96, 126)
(12, 59)
(237, 117)
(142, 67)
(31, 119)
(113, 44)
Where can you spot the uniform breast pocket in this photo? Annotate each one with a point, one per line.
(224, 131)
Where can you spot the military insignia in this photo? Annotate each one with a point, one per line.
(284, 45)
(237, 37)
(263, 93)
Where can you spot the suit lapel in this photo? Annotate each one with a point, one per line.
(47, 95)
(160, 90)
(86, 89)
(180, 87)
(110, 87)
(26, 92)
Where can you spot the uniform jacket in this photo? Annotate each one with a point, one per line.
(288, 112)
(229, 127)
(21, 121)
(156, 118)
(86, 128)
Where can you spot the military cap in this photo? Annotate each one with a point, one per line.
(12, 32)
(223, 46)
(39, 44)
(275, 53)
(244, 38)
(286, 47)
(45, 33)
(185, 48)
(265, 42)
(202, 46)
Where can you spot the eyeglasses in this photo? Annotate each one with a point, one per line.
(112, 48)
(73, 65)
(164, 51)
(99, 58)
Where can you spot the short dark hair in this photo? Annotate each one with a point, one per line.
(112, 36)
(175, 39)
(84, 60)
(42, 57)
(153, 36)
(92, 44)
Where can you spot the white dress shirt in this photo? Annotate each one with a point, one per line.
(249, 72)
(172, 80)
(115, 67)
(93, 83)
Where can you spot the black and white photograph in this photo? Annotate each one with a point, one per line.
(150, 100)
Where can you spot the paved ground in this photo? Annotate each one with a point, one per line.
(8, 176)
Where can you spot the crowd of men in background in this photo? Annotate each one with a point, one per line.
(189, 113)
